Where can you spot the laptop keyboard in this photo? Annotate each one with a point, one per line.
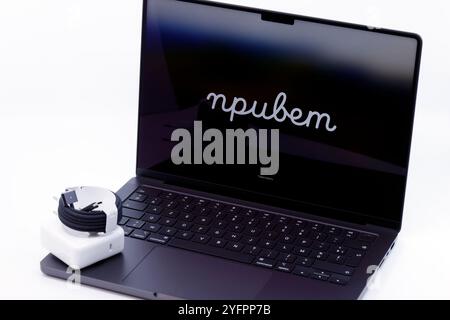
(285, 244)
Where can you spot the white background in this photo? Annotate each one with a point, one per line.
(68, 113)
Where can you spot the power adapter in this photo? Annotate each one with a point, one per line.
(86, 229)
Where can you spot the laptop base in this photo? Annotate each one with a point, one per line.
(152, 271)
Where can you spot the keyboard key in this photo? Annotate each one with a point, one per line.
(186, 199)
(251, 231)
(148, 191)
(319, 236)
(356, 244)
(132, 214)
(339, 279)
(265, 262)
(168, 231)
(141, 190)
(302, 271)
(200, 229)
(286, 220)
(250, 240)
(218, 243)
(171, 204)
(305, 262)
(281, 220)
(301, 252)
(253, 250)
(151, 218)
(123, 221)
(321, 255)
(354, 258)
(140, 234)
(367, 237)
(220, 215)
(248, 213)
(321, 246)
(168, 195)
(167, 221)
(232, 209)
(349, 234)
(204, 211)
(287, 239)
(287, 257)
(236, 227)
(211, 250)
(127, 230)
(187, 207)
(158, 238)
(266, 217)
(267, 244)
(334, 258)
(316, 227)
(267, 225)
(187, 235)
(217, 233)
(301, 224)
(284, 266)
(284, 229)
(216, 205)
(139, 197)
(200, 238)
(306, 243)
(333, 230)
(171, 213)
(336, 239)
(234, 218)
(203, 220)
(152, 227)
(232, 236)
(154, 210)
(132, 223)
(221, 224)
(253, 222)
(302, 233)
(334, 268)
(200, 202)
(235, 246)
(183, 225)
(271, 254)
(338, 250)
(284, 247)
(155, 201)
(139, 206)
(320, 275)
(187, 217)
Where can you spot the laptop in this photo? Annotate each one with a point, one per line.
(341, 98)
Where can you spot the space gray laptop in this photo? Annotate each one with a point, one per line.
(320, 226)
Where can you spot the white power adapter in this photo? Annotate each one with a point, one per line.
(86, 231)
(79, 250)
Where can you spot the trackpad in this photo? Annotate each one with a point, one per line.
(188, 275)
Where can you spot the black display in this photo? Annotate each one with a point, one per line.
(356, 85)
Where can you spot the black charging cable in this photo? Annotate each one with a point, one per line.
(86, 219)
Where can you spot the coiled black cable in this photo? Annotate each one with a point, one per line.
(84, 221)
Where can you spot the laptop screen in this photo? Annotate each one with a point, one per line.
(354, 89)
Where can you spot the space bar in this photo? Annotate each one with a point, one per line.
(201, 248)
